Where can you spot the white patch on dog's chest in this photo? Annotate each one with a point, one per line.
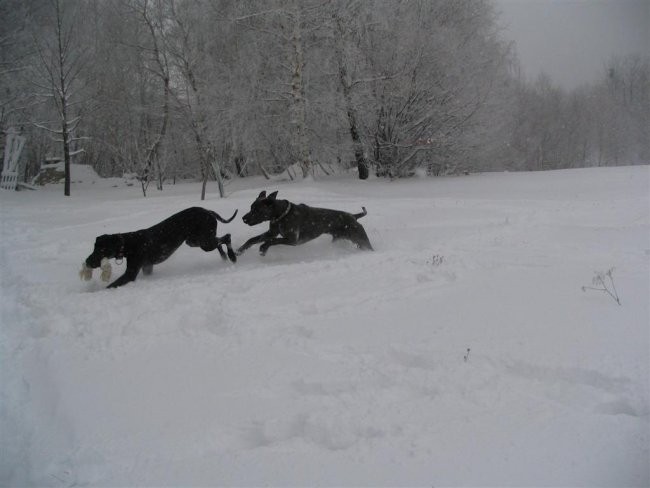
(290, 233)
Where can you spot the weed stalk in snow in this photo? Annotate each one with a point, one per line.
(604, 282)
(466, 356)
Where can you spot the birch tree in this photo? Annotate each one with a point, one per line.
(187, 48)
(296, 64)
(290, 27)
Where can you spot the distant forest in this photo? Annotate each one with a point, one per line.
(215, 89)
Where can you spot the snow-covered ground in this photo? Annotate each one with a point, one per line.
(323, 365)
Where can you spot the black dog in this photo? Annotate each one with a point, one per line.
(195, 226)
(297, 224)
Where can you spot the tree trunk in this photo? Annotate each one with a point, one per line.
(63, 94)
(216, 167)
(207, 161)
(66, 146)
(152, 158)
(203, 185)
(152, 153)
(359, 157)
(299, 115)
(66, 165)
(346, 86)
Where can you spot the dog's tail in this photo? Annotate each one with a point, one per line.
(222, 220)
(362, 214)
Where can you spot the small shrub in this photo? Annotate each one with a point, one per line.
(604, 281)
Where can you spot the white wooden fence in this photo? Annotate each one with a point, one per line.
(13, 147)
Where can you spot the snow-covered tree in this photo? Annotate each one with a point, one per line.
(435, 66)
(56, 73)
(15, 47)
(209, 89)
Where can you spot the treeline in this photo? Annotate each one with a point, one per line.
(606, 123)
(216, 89)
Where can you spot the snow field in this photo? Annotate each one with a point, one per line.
(323, 365)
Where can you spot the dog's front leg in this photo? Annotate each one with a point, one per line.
(132, 270)
(254, 240)
(288, 241)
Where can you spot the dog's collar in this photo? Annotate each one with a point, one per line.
(284, 214)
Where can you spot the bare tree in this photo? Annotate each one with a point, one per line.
(346, 29)
(14, 52)
(430, 67)
(296, 61)
(214, 88)
(151, 14)
(605, 123)
(186, 49)
(290, 26)
(57, 69)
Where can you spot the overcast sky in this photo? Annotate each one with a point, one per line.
(571, 40)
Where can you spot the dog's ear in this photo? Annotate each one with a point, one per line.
(261, 195)
(273, 195)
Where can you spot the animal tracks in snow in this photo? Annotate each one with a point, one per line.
(621, 407)
(572, 376)
(322, 429)
(584, 389)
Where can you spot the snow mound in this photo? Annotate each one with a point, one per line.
(54, 173)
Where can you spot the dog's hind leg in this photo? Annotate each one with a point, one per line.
(227, 242)
(212, 243)
(231, 253)
(360, 238)
(147, 269)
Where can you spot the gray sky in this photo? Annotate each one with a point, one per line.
(571, 40)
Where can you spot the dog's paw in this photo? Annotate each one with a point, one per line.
(85, 273)
(106, 270)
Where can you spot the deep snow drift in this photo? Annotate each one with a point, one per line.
(323, 365)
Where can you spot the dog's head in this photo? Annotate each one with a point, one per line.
(262, 209)
(106, 246)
